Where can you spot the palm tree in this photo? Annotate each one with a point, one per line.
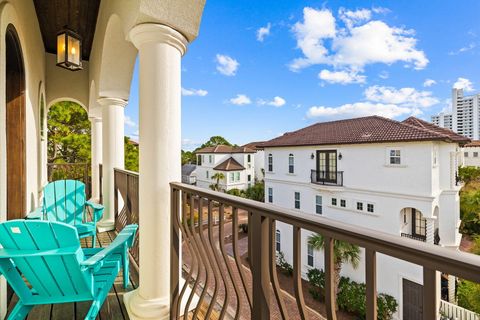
(217, 176)
(343, 252)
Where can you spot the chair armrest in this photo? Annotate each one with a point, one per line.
(123, 240)
(97, 209)
(36, 214)
(15, 253)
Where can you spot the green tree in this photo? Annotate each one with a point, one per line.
(215, 141)
(469, 212)
(468, 295)
(343, 252)
(188, 157)
(131, 155)
(217, 177)
(256, 192)
(68, 133)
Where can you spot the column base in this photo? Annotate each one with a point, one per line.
(140, 309)
(104, 226)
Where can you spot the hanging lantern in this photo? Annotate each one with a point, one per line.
(69, 50)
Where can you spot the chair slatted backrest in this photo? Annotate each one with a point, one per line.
(64, 201)
(53, 277)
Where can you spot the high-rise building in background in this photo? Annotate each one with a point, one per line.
(465, 116)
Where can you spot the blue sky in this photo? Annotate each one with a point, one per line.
(260, 69)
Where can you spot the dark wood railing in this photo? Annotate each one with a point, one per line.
(73, 171)
(222, 282)
(333, 178)
(126, 187)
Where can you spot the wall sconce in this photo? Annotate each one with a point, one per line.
(69, 50)
(312, 156)
(340, 156)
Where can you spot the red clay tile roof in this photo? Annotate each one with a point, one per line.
(372, 129)
(474, 143)
(430, 126)
(229, 165)
(225, 149)
(256, 145)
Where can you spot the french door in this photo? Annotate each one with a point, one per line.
(327, 165)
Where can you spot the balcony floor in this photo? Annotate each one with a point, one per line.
(113, 308)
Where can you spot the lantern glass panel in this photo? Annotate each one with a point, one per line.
(73, 51)
(61, 48)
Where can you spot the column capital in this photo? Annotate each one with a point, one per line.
(95, 119)
(154, 32)
(107, 101)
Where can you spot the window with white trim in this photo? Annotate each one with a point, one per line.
(370, 208)
(232, 177)
(334, 201)
(360, 206)
(318, 204)
(465, 154)
(310, 255)
(277, 241)
(297, 200)
(270, 162)
(343, 203)
(249, 158)
(237, 176)
(395, 156)
(207, 174)
(210, 158)
(270, 195)
(291, 162)
(475, 154)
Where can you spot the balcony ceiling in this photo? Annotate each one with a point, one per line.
(78, 15)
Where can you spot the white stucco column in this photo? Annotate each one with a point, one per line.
(112, 154)
(160, 51)
(430, 231)
(97, 155)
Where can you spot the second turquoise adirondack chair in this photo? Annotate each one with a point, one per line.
(44, 264)
(65, 201)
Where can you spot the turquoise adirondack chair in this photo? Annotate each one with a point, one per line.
(44, 264)
(65, 201)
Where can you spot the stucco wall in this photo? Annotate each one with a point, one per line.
(21, 14)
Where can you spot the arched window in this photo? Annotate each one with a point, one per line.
(270, 162)
(291, 163)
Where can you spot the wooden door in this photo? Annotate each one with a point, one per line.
(412, 300)
(327, 166)
(15, 127)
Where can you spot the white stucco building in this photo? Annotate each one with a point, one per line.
(259, 159)
(237, 164)
(393, 177)
(471, 154)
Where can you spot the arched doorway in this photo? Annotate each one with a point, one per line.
(414, 224)
(15, 126)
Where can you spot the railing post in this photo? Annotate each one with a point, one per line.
(260, 267)
(371, 283)
(430, 290)
(330, 298)
(115, 197)
(174, 252)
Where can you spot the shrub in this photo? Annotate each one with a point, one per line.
(352, 296)
(469, 212)
(256, 192)
(316, 278)
(236, 192)
(468, 174)
(284, 266)
(468, 294)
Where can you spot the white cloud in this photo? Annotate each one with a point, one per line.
(405, 97)
(129, 122)
(276, 102)
(358, 109)
(469, 47)
(341, 77)
(227, 65)
(429, 82)
(194, 92)
(263, 32)
(351, 18)
(384, 75)
(465, 84)
(381, 10)
(240, 100)
(362, 42)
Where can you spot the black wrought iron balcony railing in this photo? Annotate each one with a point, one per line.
(332, 178)
(414, 237)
